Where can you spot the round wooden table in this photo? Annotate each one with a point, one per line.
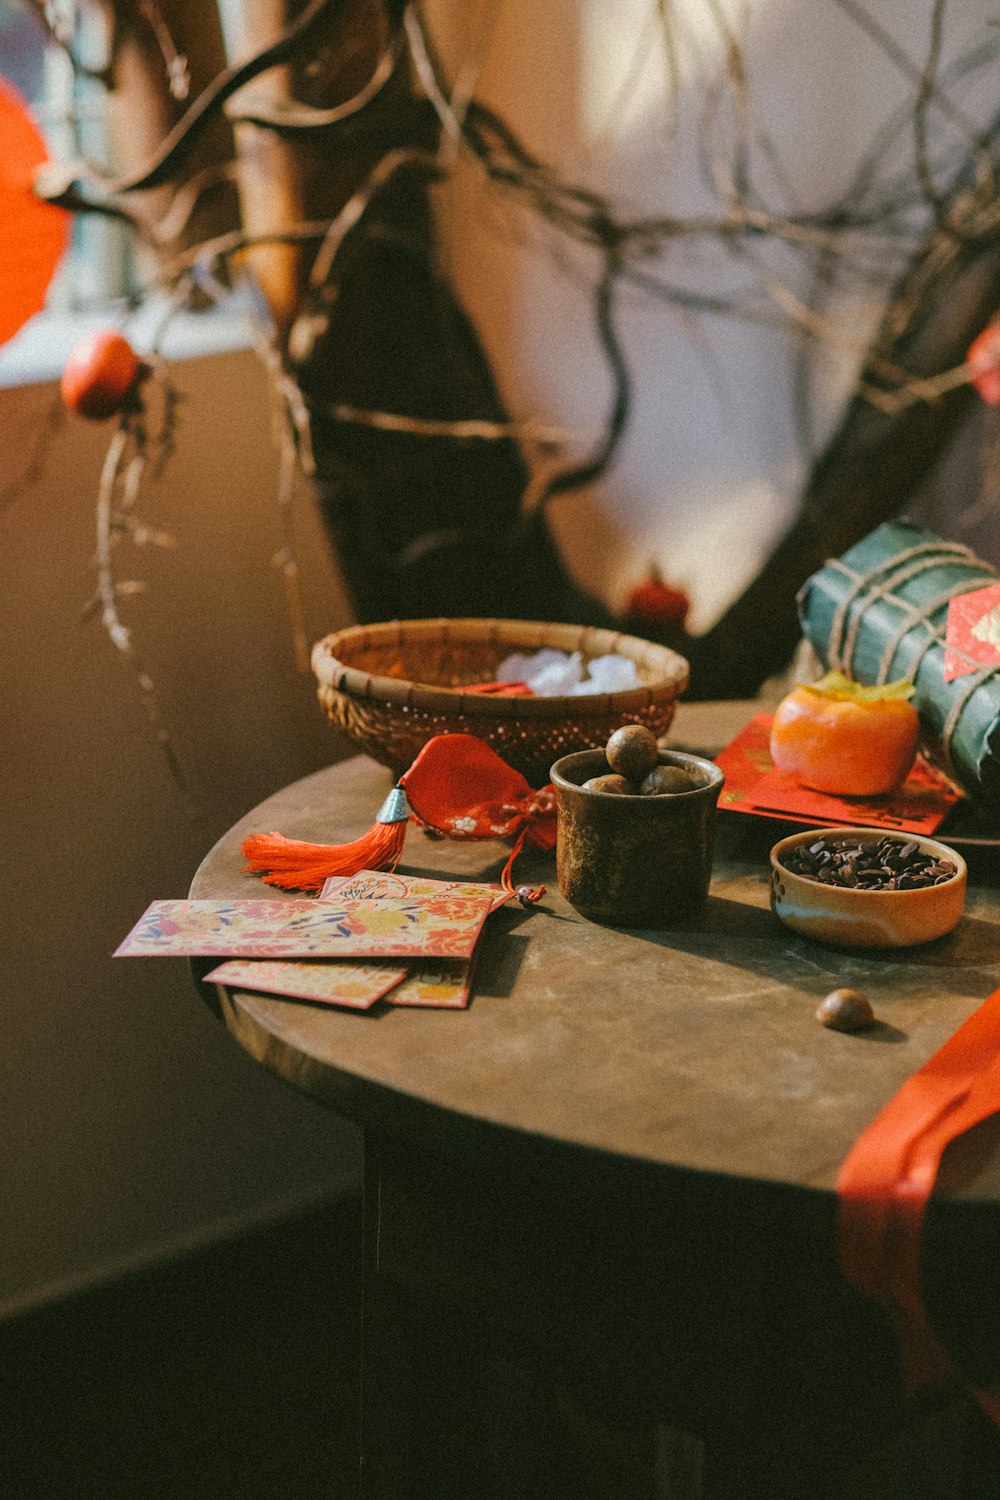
(599, 1202)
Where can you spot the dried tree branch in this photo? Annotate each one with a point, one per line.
(55, 183)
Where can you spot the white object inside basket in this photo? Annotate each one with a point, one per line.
(550, 673)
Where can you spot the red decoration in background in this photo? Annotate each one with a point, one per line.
(34, 234)
(656, 602)
(983, 360)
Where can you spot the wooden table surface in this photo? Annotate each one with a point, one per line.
(694, 1047)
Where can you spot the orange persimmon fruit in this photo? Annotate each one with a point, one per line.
(838, 736)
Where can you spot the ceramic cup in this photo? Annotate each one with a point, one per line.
(634, 861)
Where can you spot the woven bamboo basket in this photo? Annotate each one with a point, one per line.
(392, 687)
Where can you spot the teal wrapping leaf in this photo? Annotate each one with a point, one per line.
(880, 612)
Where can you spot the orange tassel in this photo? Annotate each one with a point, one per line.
(460, 789)
(295, 865)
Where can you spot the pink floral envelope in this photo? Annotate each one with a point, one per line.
(327, 981)
(441, 926)
(380, 885)
(444, 986)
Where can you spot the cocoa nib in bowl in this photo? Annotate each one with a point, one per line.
(891, 864)
(863, 887)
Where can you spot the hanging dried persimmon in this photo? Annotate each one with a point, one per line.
(100, 375)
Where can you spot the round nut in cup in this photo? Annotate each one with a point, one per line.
(634, 861)
(880, 890)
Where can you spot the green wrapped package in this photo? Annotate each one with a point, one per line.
(880, 612)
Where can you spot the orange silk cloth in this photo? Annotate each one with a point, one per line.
(35, 233)
(890, 1172)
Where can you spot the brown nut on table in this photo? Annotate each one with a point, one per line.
(845, 1010)
(632, 751)
(619, 786)
(665, 779)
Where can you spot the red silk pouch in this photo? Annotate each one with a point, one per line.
(457, 787)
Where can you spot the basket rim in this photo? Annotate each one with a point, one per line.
(336, 676)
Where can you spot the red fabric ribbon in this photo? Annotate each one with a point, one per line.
(890, 1172)
(499, 689)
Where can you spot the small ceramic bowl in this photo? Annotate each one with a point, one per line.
(855, 918)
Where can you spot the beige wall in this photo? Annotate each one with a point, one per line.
(710, 470)
(130, 1121)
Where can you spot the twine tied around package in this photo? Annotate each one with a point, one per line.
(456, 787)
(878, 585)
